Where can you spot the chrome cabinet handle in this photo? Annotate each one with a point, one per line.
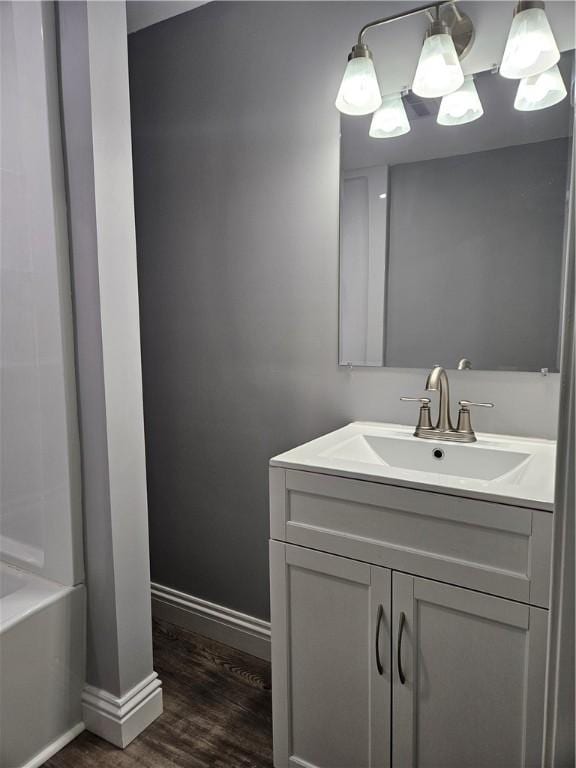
(401, 674)
(379, 665)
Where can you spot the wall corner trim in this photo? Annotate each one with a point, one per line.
(120, 719)
(238, 630)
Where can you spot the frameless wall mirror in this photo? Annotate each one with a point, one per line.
(452, 232)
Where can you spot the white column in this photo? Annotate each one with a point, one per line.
(123, 694)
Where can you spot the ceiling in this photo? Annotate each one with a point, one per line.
(144, 13)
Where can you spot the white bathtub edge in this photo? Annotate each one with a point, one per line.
(36, 605)
(55, 746)
(120, 719)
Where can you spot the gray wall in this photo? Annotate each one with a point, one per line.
(235, 142)
(485, 231)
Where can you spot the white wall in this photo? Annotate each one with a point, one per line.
(560, 723)
(40, 512)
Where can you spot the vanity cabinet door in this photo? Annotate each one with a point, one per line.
(331, 665)
(473, 667)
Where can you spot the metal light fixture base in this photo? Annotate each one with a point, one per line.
(360, 51)
(460, 27)
(526, 5)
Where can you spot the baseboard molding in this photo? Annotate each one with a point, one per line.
(54, 747)
(233, 628)
(120, 719)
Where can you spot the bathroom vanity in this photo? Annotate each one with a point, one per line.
(409, 587)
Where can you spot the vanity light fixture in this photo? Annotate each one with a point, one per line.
(450, 35)
(359, 92)
(462, 106)
(540, 91)
(438, 72)
(391, 119)
(531, 47)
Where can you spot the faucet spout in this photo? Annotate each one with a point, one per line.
(437, 381)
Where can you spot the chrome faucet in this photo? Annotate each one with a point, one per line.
(437, 381)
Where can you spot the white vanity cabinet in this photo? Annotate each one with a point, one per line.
(332, 665)
(474, 667)
(408, 628)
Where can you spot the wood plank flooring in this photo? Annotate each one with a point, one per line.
(217, 712)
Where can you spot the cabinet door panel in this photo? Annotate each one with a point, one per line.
(474, 669)
(331, 688)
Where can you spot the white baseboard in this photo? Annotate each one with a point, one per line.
(54, 747)
(120, 719)
(233, 628)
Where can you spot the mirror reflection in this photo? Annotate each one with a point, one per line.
(452, 232)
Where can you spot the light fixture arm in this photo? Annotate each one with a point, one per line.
(450, 30)
(403, 15)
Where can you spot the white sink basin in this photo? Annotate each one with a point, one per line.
(427, 456)
(501, 468)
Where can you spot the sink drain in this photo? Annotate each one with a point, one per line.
(438, 453)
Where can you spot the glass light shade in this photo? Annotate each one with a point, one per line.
(439, 71)
(390, 120)
(531, 47)
(462, 106)
(540, 91)
(359, 92)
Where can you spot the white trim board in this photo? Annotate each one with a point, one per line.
(120, 719)
(55, 746)
(246, 633)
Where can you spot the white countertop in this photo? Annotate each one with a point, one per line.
(348, 452)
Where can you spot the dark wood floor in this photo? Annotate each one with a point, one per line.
(217, 712)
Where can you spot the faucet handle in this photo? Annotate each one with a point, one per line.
(464, 424)
(424, 417)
